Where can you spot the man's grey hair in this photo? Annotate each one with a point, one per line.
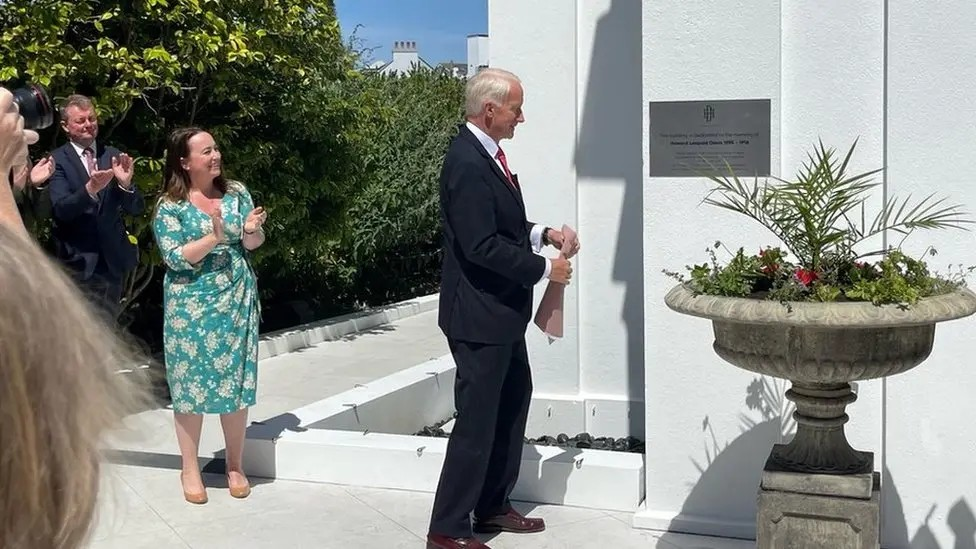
(489, 85)
(75, 100)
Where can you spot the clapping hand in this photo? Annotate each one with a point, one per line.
(97, 181)
(255, 220)
(122, 169)
(42, 171)
(217, 219)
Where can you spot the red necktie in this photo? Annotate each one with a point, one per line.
(500, 155)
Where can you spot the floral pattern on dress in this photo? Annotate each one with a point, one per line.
(211, 309)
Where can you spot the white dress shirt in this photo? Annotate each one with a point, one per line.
(535, 235)
(80, 151)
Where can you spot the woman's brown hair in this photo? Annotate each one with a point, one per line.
(59, 394)
(176, 182)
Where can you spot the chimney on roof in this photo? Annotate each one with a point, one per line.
(405, 57)
(404, 46)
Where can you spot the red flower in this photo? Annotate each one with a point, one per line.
(806, 276)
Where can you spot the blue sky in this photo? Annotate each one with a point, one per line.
(439, 27)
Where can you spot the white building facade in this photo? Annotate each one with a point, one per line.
(896, 76)
(406, 59)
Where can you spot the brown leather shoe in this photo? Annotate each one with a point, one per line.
(436, 541)
(512, 521)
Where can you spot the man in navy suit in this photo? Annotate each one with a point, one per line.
(90, 190)
(490, 265)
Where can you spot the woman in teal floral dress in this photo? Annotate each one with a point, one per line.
(205, 226)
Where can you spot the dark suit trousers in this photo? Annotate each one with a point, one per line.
(492, 391)
(104, 291)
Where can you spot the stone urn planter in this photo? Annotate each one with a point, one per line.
(821, 348)
(825, 308)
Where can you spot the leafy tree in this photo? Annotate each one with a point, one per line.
(345, 161)
(271, 81)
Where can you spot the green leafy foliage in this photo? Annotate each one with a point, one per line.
(737, 278)
(399, 205)
(394, 224)
(385, 245)
(895, 278)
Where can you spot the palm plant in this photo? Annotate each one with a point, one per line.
(820, 218)
(812, 215)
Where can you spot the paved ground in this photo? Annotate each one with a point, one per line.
(142, 505)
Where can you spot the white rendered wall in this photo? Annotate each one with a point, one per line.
(930, 433)
(898, 76)
(609, 168)
(542, 153)
(578, 156)
(915, 118)
(704, 457)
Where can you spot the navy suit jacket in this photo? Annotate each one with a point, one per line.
(87, 230)
(489, 268)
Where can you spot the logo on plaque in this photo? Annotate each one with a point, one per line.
(709, 113)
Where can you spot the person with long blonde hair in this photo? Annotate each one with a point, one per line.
(59, 394)
(205, 226)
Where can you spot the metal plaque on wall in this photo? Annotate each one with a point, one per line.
(691, 137)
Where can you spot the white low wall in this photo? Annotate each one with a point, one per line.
(357, 438)
(298, 337)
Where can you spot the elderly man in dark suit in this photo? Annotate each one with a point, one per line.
(90, 190)
(489, 268)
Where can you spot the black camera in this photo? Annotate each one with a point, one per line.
(35, 106)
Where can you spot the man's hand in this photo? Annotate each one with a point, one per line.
(98, 180)
(42, 171)
(562, 270)
(13, 137)
(122, 169)
(558, 240)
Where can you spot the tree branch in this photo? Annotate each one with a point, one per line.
(196, 99)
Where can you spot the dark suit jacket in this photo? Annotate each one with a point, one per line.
(489, 268)
(87, 230)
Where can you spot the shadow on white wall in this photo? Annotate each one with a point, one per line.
(730, 474)
(609, 147)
